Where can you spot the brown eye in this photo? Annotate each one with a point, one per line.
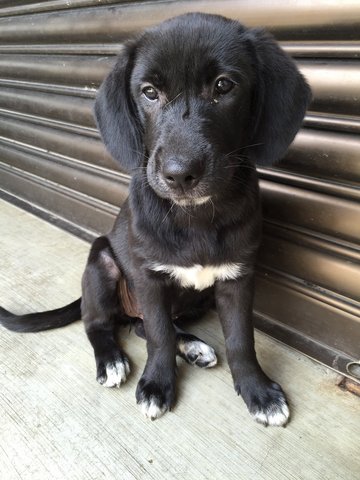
(223, 85)
(150, 93)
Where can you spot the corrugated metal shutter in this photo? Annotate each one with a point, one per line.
(54, 54)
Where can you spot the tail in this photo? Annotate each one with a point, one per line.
(37, 322)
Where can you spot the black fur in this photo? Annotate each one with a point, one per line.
(198, 141)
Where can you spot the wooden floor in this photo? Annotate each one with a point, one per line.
(56, 422)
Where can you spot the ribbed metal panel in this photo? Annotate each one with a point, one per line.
(53, 56)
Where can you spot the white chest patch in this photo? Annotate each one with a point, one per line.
(201, 277)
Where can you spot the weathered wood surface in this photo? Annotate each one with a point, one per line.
(56, 422)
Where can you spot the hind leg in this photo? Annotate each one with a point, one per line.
(101, 310)
(194, 350)
(189, 347)
(190, 306)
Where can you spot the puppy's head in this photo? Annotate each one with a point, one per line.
(196, 101)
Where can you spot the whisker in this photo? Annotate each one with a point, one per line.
(141, 153)
(182, 207)
(213, 210)
(171, 207)
(139, 168)
(243, 148)
(240, 166)
(177, 96)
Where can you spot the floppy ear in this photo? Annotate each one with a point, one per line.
(116, 113)
(281, 98)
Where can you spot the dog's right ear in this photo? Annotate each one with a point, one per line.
(116, 113)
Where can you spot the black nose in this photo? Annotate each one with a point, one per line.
(181, 174)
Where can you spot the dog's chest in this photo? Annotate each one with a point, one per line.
(199, 276)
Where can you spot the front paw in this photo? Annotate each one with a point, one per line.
(266, 402)
(154, 398)
(112, 369)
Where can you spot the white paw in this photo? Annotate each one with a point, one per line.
(116, 373)
(197, 353)
(151, 409)
(276, 415)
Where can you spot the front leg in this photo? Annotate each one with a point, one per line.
(264, 398)
(155, 392)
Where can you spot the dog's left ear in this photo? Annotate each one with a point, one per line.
(280, 99)
(116, 113)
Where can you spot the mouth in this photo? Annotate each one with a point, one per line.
(193, 198)
(191, 202)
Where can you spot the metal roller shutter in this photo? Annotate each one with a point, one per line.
(53, 56)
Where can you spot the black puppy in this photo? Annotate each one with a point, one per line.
(189, 108)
